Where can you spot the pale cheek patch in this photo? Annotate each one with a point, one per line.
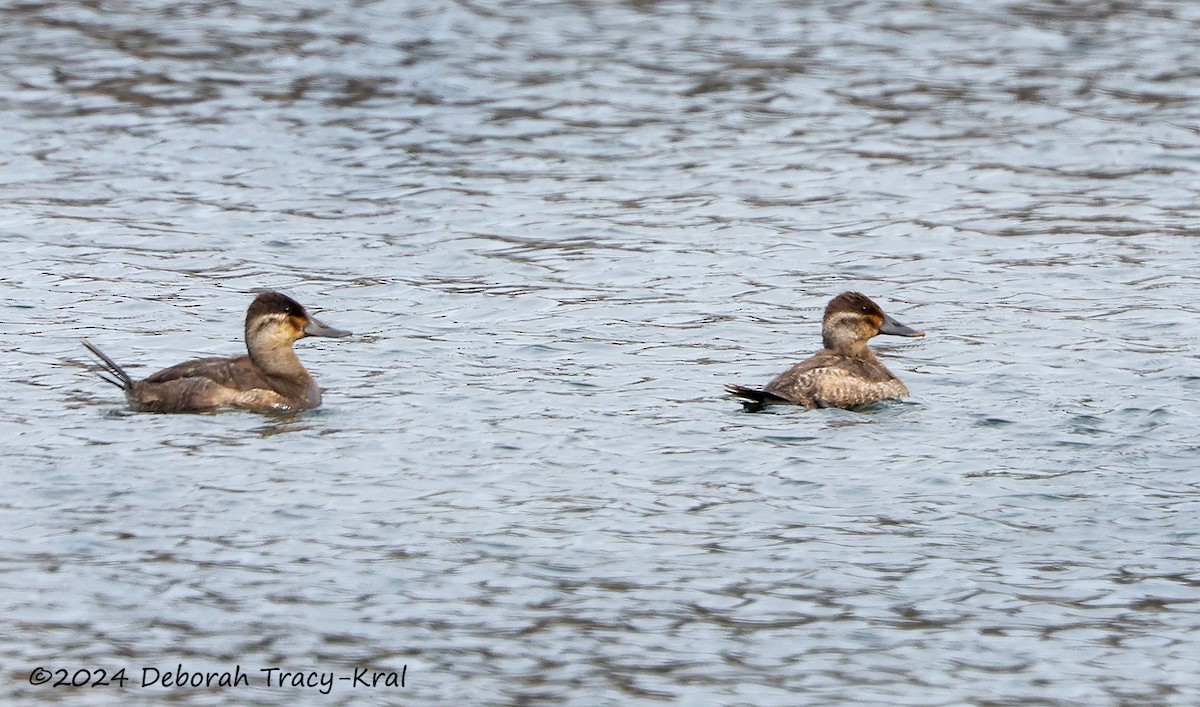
(270, 320)
(842, 318)
(276, 330)
(851, 322)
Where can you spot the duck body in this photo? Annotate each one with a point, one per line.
(845, 373)
(206, 383)
(269, 377)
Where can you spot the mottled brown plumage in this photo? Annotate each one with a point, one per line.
(270, 377)
(845, 374)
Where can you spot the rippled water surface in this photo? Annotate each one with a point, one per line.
(557, 228)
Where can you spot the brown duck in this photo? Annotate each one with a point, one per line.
(845, 374)
(270, 377)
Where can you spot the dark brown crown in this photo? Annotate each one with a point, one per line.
(853, 302)
(274, 303)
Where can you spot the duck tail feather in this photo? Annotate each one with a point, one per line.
(112, 372)
(754, 399)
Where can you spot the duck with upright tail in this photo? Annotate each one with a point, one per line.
(269, 377)
(845, 374)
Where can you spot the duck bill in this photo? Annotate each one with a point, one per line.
(895, 328)
(316, 328)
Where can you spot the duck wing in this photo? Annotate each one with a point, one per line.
(237, 373)
(206, 383)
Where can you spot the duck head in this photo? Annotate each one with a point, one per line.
(851, 319)
(276, 320)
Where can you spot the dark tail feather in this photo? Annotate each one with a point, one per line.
(753, 399)
(112, 372)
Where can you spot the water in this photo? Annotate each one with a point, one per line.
(557, 229)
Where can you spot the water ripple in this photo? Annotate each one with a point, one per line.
(558, 228)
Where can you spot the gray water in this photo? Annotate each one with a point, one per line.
(557, 228)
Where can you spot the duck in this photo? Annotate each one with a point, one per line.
(845, 373)
(269, 377)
